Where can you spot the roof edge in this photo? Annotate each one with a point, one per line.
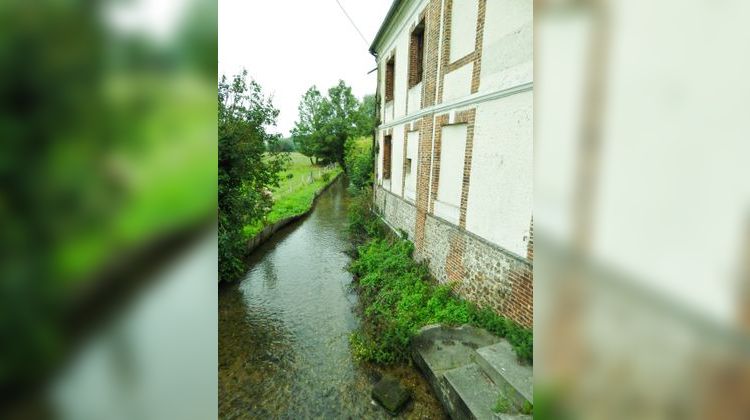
(381, 32)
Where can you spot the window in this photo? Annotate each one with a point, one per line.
(390, 68)
(416, 55)
(387, 157)
(408, 165)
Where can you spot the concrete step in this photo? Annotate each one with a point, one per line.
(499, 362)
(473, 393)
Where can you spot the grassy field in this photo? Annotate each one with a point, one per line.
(296, 192)
(168, 173)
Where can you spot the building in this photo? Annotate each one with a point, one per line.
(455, 143)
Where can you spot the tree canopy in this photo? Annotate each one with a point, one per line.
(326, 122)
(248, 166)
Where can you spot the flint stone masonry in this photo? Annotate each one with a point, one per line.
(468, 209)
(397, 212)
(480, 271)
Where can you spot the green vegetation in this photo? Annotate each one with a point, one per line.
(399, 296)
(503, 404)
(296, 191)
(326, 123)
(359, 161)
(506, 405)
(528, 408)
(247, 169)
(108, 145)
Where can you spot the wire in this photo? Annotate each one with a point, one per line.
(352, 22)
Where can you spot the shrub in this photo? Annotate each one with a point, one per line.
(326, 176)
(399, 297)
(359, 163)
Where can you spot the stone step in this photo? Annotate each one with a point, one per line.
(472, 391)
(499, 362)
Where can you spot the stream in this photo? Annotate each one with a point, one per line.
(284, 329)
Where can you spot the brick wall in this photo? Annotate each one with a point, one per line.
(478, 270)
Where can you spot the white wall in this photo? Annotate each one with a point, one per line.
(463, 27)
(415, 98)
(501, 185)
(507, 46)
(401, 80)
(397, 159)
(452, 152)
(457, 83)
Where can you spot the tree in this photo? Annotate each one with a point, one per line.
(246, 170)
(326, 122)
(340, 113)
(306, 133)
(366, 116)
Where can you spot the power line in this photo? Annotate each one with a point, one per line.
(352, 22)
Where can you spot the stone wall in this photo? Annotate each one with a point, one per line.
(478, 270)
(399, 213)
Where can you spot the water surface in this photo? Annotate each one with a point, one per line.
(283, 330)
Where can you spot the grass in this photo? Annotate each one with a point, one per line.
(168, 173)
(295, 194)
(399, 296)
(503, 404)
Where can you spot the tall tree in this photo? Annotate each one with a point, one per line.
(366, 116)
(340, 112)
(325, 123)
(246, 170)
(307, 134)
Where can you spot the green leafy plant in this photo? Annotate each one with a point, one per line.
(527, 408)
(247, 170)
(399, 297)
(503, 404)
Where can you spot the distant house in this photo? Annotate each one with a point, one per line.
(455, 143)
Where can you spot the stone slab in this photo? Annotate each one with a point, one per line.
(500, 363)
(389, 393)
(475, 392)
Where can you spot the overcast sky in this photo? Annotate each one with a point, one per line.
(289, 45)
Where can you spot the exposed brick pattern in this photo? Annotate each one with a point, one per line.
(530, 244)
(464, 117)
(390, 75)
(482, 7)
(440, 121)
(416, 54)
(477, 269)
(474, 57)
(430, 71)
(387, 157)
(423, 178)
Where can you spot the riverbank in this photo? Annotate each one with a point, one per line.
(398, 296)
(283, 329)
(302, 183)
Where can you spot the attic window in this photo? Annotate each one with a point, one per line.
(390, 68)
(416, 55)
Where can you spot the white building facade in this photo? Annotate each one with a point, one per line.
(454, 146)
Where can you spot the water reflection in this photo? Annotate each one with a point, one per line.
(283, 330)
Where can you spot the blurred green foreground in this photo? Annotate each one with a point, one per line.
(107, 143)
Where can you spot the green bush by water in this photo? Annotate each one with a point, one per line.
(398, 295)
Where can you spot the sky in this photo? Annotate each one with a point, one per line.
(289, 45)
